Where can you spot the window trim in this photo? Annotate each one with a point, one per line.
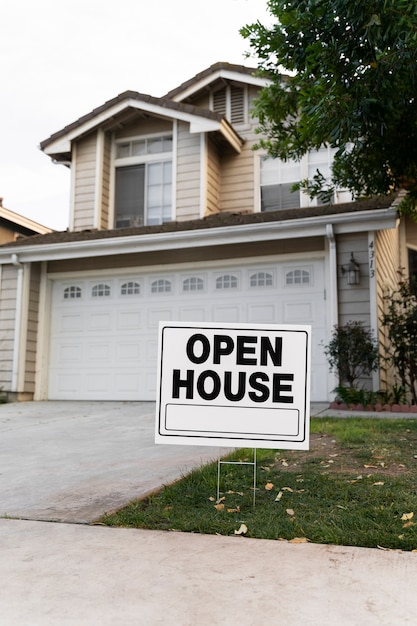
(158, 157)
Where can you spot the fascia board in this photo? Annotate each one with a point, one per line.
(264, 231)
(221, 73)
(198, 124)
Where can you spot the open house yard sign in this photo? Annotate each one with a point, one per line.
(235, 385)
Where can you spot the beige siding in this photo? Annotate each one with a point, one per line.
(32, 331)
(213, 179)
(188, 174)
(84, 183)
(387, 266)
(238, 172)
(354, 304)
(105, 184)
(7, 323)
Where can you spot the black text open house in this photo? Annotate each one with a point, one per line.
(234, 385)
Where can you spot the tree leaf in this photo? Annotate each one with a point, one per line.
(407, 516)
(269, 486)
(289, 512)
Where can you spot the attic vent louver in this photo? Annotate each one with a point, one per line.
(230, 101)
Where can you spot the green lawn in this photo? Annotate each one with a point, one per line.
(356, 486)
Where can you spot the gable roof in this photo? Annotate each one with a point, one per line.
(20, 224)
(221, 70)
(128, 104)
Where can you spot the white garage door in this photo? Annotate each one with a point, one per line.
(103, 343)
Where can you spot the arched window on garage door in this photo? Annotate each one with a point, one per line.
(261, 279)
(131, 288)
(100, 290)
(72, 292)
(194, 283)
(298, 277)
(161, 286)
(227, 281)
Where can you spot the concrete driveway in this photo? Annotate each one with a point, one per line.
(74, 461)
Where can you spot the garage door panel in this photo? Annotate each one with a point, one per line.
(129, 320)
(192, 314)
(106, 347)
(128, 351)
(262, 313)
(227, 313)
(71, 322)
(99, 321)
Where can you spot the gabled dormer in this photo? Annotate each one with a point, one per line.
(139, 160)
(223, 88)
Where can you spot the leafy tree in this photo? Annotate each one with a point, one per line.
(401, 323)
(352, 352)
(351, 84)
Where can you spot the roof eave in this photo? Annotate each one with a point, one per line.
(371, 220)
(198, 124)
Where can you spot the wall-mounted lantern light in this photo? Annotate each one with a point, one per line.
(352, 271)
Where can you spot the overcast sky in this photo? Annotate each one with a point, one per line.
(60, 59)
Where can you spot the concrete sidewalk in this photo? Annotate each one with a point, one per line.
(73, 461)
(66, 574)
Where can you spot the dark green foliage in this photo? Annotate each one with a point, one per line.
(401, 322)
(352, 84)
(352, 352)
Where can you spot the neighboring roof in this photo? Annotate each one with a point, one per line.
(219, 229)
(109, 113)
(227, 71)
(19, 223)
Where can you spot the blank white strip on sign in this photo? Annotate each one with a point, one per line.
(203, 420)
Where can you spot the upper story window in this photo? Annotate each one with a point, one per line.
(143, 193)
(72, 292)
(231, 102)
(278, 177)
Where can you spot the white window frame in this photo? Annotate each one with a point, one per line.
(143, 159)
(304, 172)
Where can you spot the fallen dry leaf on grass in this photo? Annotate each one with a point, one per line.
(236, 510)
(408, 524)
(242, 530)
(219, 507)
(269, 486)
(287, 489)
(299, 540)
(279, 496)
(407, 516)
(378, 483)
(289, 511)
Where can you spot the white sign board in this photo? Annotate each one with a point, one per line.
(235, 385)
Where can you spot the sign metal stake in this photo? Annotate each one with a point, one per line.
(253, 463)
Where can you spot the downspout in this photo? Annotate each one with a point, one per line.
(332, 295)
(18, 319)
(333, 305)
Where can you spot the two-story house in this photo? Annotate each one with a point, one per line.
(174, 216)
